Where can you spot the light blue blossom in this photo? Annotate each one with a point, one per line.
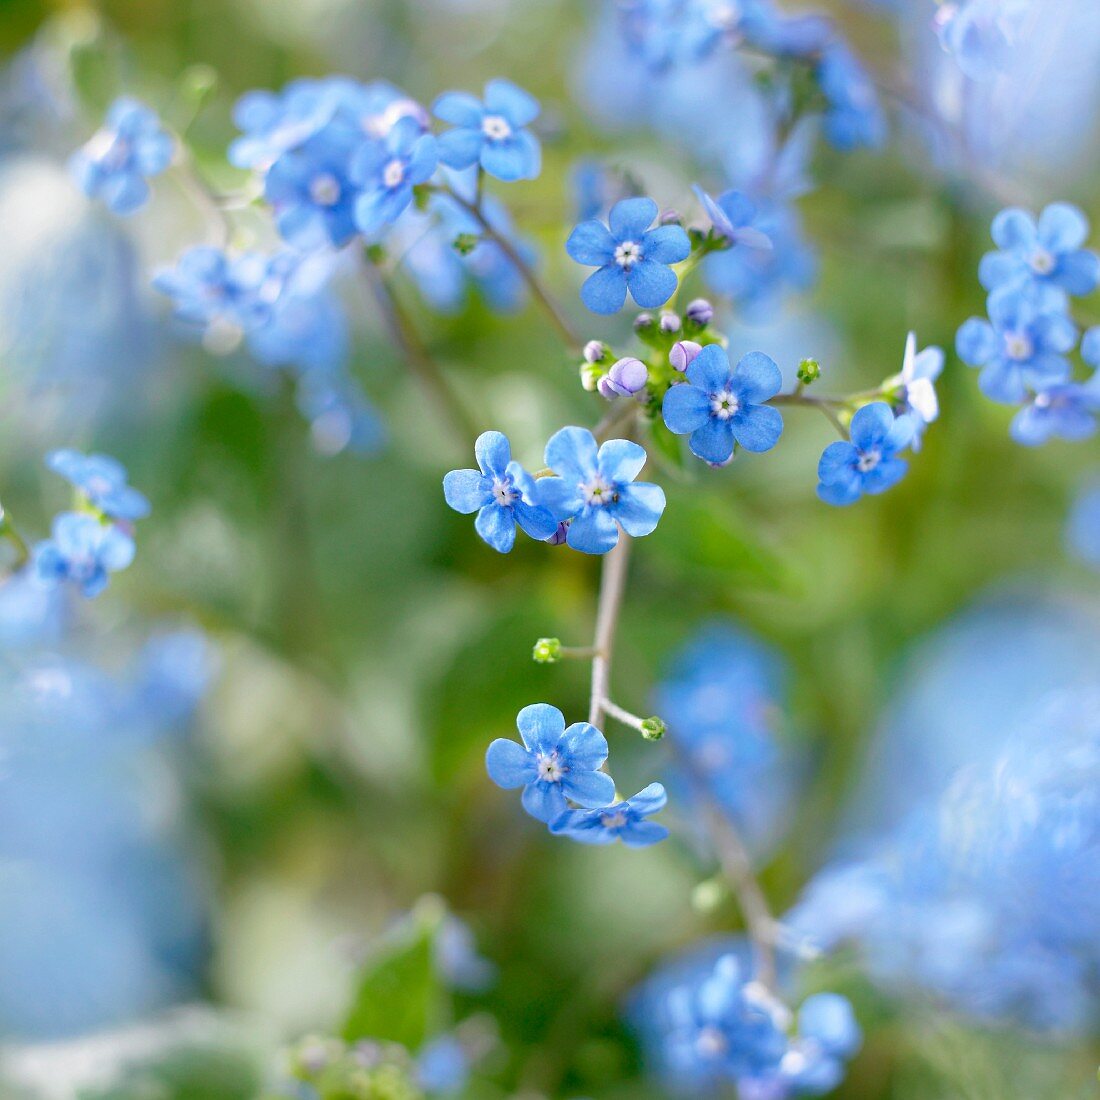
(457, 958)
(209, 287)
(82, 551)
(1066, 412)
(102, 480)
(869, 462)
(595, 491)
(492, 131)
(1044, 256)
(916, 390)
(1083, 528)
(131, 147)
(981, 34)
(854, 117)
(443, 1066)
(386, 172)
(501, 493)
(722, 406)
(553, 763)
(629, 256)
(733, 215)
(311, 190)
(623, 821)
(1020, 346)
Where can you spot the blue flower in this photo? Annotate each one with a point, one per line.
(443, 1066)
(869, 463)
(1083, 529)
(82, 550)
(1020, 346)
(103, 481)
(629, 256)
(491, 132)
(854, 117)
(595, 490)
(733, 215)
(1046, 256)
(1067, 412)
(916, 386)
(311, 190)
(500, 493)
(722, 407)
(210, 288)
(387, 171)
(623, 821)
(552, 764)
(130, 148)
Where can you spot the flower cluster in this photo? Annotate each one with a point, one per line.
(95, 540)
(1023, 348)
(556, 765)
(707, 1025)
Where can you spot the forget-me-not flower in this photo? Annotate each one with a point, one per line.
(210, 287)
(131, 147)
(868, 463)
(386, 172)
(1045, 256)
(1020, 346)
(501, 494)
(553, 763)
(623, 821)
(84, 551)
(103, 481)
(492, 131)
(595, 490)
(732, 214)
(629, 256)
(1067, 412)
(916, 386)
(720, 406)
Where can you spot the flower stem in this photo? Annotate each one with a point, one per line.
(827, 406)
(419, 360)
(553, 312)
(609, 604)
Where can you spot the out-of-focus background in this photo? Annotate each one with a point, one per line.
(229, 779)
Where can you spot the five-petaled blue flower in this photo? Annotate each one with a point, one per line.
(102, 480)
(1020, 346)
(721, 407)
(1044, 256)
(311, 191)
(500, 493)
(553, 763)
(595, 490)
(1066, 412)
(131, 147)
(869, 463)
(82, 550)
(386, 171)
(207, 286)
(629, 256)
(732, 214)
(623, 821)
(491, 132)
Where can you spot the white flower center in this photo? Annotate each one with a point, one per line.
(109, 149)
(324, 189)
(1018, 346)
(597, 491)
(504, 491)
(868, 460)
(393, 175)
(98, 485)
(1042, 262)
(710, 1042)
(496, 128)
(724, 404)
(613, 821)
(628, 254)
(550, 768)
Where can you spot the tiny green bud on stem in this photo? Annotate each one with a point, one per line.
(809, 371)
(653, 728)
(547, 651)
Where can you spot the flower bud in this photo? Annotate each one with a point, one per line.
(699, 312)
(809, 370)
(547, 651)
(670, 322)
(590, 376)
(558, 537)
(595, 351)
(625, 378)
(682, 353)
(653, 729)
(643, 322)
(670, 217)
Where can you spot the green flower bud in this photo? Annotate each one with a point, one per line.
(547, 651)
(591, 373)
(465, 243)
(809, 370)
(653, 729)
(708, 895)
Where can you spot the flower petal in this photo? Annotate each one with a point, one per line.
(544, 801)
(517, 158)
(559, 496)
(1062, 227)
(620, 460)
(496, 524)
(509, 765)
(713, 442)
(1014, 229)
(837, 462)
(630, 218)
(466, 491)
(493, 453)
(541, 726)
(649, 800)
(710, 369)
(536, 521)
(756, 377)
(604, 291)
(651, 283)
(502, 97)
(667, 244)
(459, 148)
(871, 424)
(571, 453)
(595, 789)
(686, 407)
(591, 243)
(641, 834)
(459, 109)
(584, 746)
(757, 428)
(592, 531)
(639, 508)
(976, 342)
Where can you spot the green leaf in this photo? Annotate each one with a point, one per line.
(399, 996)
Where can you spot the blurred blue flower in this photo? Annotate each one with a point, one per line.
(1083, 529)
(502, 494)
(386, 171)
(623, 821)
(868, 463)
(629, 256)
(82, 551)
(103, 482)
(854, 117)
(732, 214)
(916, 394)
(722, 406)
(131, 147)
(1046, 256)
(209, 288)
(1020, 346)
(595, 491)
(457, 958)
(553, 763)
(442, 1066)
(980, 34)
(1065, 412)
(492, 131)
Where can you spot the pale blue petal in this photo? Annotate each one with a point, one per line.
(710, 369)
(604, 291)
(459, 109)
(541, 726)
(649, 800)
(1079, 272)
(651, 283)
(639, 508)
(757, 428)
(585, 746)
(998, 269)
(513, 159)
(493, 453)
(667, 244)
(630, 218)
(836, 463)
(885, 475)
(641, 834)
(559, 496)
(1062, 227)
(589, 788)
(502, 97)
(459, 148)
(1002, 381)
(497, 526)
(590, 243)
(713, 442)
(571, 453)
(976, 342)
(1014, 229)
(422, 159)
(686, 407)
(466, 491)
(544, 801)
(592, 531)
(756, 378)
(870, 425)
(509, 765)
(839, 493)
(116, 551)
(620, 460)
(535, 521)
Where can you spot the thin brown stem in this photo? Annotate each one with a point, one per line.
(827, 406)
(609, 604)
